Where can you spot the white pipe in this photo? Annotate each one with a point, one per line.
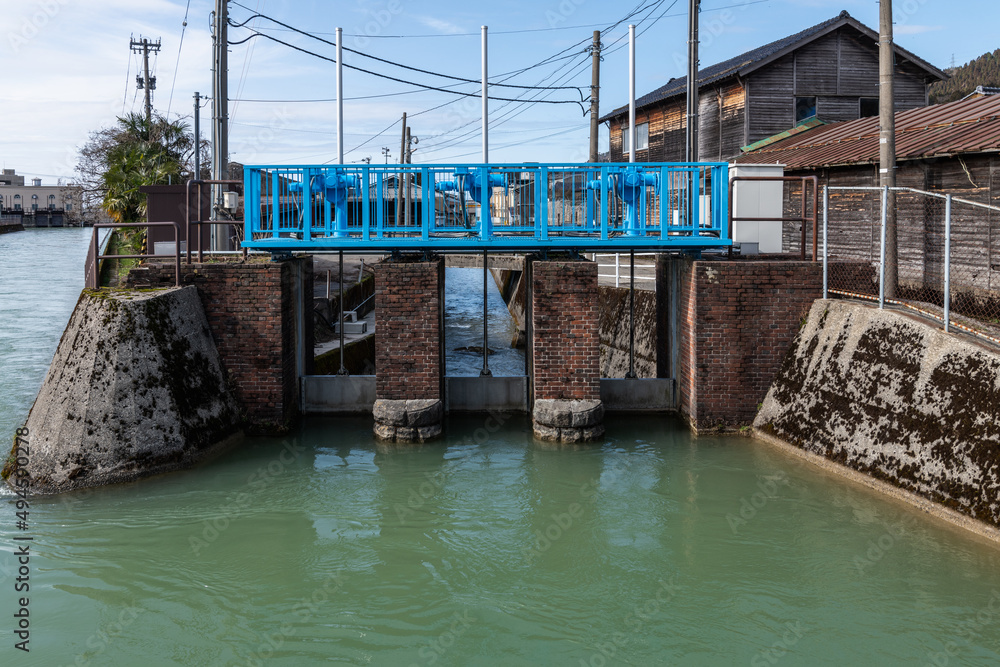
(486, 107)
(340, 98)
(631, 93)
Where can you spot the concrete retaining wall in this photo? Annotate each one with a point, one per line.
(893, 397)
(614, 314)
(136, 387)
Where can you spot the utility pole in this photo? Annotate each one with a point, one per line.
(399, 176)
(691, 135)
(595, 88)
(407, 157)
(887, 142)
(144, 81)
(220, 112)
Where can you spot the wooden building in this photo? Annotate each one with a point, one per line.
(828, 71)
(946, 148)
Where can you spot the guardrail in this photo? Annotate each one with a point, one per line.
(617, 275)
(91, 270)
(932, 282)
(479, 207)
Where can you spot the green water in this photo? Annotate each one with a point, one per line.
(652, 548)
(323, 547)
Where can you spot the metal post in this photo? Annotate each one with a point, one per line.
(329, 282)
(340, 307)
(399, 177)
(220, 119)
(486, 107)
(631, 315)
(197, 136)
(826, 252)
(631, 93)
(691, 134)
(340, 100)
(947, 263)
(486, 325)
(617, 267)
(881, 261)
(887, 140)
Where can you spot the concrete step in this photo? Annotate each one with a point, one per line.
(355, 327)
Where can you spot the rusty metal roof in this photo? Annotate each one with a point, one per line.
(966, 126)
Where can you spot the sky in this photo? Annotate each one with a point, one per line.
(68, 69)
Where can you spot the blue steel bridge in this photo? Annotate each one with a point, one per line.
(487, 207)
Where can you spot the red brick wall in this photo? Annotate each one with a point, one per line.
(565, 321)
(736, 321)
(409, 305)
(251, 312)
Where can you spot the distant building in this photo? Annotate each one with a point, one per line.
(982, 91)
(39, 205)
(828, 71)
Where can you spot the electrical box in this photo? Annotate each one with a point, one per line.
(230, 200)
(758, 199)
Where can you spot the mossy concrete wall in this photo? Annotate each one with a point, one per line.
(136, 388)
(895, 398)
(614, 327)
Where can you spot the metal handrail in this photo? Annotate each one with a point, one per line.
(187, 213)
(493, 207)
(803, 219)
(91, 269)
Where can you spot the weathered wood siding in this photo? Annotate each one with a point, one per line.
(838, 69)
(668, 125)
(855, 219)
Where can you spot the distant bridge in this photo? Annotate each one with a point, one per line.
(495, 207)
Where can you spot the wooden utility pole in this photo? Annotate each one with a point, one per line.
(146, 82)
(407, 179)
(691, 135)
(887, 142)
(595, 88)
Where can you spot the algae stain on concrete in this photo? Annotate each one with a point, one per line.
(136, 387)
(896, 399)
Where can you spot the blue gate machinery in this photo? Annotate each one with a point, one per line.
(492, 207)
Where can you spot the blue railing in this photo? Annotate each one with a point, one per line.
(463, 207)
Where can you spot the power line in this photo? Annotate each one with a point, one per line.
(180, 45)
(390, 62)
(392, 78)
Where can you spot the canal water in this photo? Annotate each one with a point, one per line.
(651, 548)
(463, 300)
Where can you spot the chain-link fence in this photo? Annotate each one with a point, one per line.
(944, 248)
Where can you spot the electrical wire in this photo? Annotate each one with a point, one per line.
(128, 80)
(180, 46)
(391, 62)
(246, 65)
(392, 78)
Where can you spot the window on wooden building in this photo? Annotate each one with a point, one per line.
(868, 106)
(641, 137)
(805, 108)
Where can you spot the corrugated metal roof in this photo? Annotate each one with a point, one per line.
(745, 62)
(966, 126)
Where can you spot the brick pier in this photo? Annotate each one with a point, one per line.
(409, 357)
(565, 351)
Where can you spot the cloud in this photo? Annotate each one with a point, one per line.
(915, 29)
(440, 25)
